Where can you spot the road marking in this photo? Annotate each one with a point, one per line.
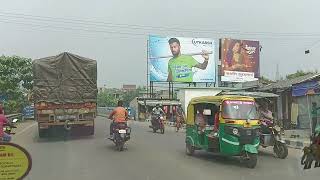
(25, 129)
(230, 142)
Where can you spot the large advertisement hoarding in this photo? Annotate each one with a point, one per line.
(180, 59)
(240, 60)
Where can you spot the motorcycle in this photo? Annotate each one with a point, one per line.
(179, 122)
(121, 134)
(312, 152)
(157, 123)
(7, 129)
(270, 136)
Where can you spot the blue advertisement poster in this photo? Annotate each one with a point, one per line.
(181, 59)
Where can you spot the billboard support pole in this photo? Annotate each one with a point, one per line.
(169, 90)
(172, 90)
(151, 89)
(147, 66)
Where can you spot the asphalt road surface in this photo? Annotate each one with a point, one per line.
(148, 156)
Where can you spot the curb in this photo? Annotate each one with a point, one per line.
(296, 144)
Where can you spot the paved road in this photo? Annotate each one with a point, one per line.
(148, 157)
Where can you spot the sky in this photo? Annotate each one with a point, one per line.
(115, 32)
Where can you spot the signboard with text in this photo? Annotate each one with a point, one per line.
(240, 60)
(15, 162)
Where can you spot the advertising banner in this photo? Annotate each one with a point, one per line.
(240, 60)
(15, 161)
(180, 59)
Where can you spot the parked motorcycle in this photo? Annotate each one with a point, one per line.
(157, 123)
(312, 152)
(271, 136)
(121, 134)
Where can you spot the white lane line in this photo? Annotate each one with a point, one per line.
(25, 129)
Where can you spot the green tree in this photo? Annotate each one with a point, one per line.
(130, 95)
(265, 80)
(299, 73)
(106, 99)
(15, 81)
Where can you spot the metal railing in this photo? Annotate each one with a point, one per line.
(13, 116)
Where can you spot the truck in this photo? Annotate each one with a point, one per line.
(65, 94)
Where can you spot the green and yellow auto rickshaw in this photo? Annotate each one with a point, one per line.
(226, 124)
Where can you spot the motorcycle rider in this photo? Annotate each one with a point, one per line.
(118, 115)
(3, 120)
(180, 118)
(266, 118)
(156, 111)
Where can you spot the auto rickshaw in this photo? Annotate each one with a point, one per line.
(271, 132)
(227, 125)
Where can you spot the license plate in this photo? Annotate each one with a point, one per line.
(122, 131)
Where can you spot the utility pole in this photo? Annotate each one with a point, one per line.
(277, 73)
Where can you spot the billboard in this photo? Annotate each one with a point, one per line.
(180, 59)
(240, 60)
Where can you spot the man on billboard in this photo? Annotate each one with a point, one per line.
(180, 66)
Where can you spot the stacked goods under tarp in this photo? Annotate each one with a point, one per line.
(65, 93)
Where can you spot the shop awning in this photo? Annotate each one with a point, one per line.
(252, 94)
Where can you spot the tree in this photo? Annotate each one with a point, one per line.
(106, 99)
(130, 95)
(299, 73)
(15, 81)
(265, 80)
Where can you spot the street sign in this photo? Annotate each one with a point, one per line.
(28, 112)
(15, 161)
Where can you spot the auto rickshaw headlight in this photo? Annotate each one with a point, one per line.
(235, 131)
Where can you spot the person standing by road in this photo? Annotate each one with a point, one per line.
(314, 117)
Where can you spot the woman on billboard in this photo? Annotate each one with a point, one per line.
(235, 57)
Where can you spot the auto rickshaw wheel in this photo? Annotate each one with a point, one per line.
(189, 149)
(251, 160)
(280, 150)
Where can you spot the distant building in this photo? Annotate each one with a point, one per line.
(127, 87)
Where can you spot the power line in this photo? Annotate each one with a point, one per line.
(145, 27)
(63, 28)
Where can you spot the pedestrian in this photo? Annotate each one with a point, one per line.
(314, 115)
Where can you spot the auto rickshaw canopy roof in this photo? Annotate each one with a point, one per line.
(255, 95)
(217, 100)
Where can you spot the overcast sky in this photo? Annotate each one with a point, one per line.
(285, 28)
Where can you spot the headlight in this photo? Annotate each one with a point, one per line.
(235, 131)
